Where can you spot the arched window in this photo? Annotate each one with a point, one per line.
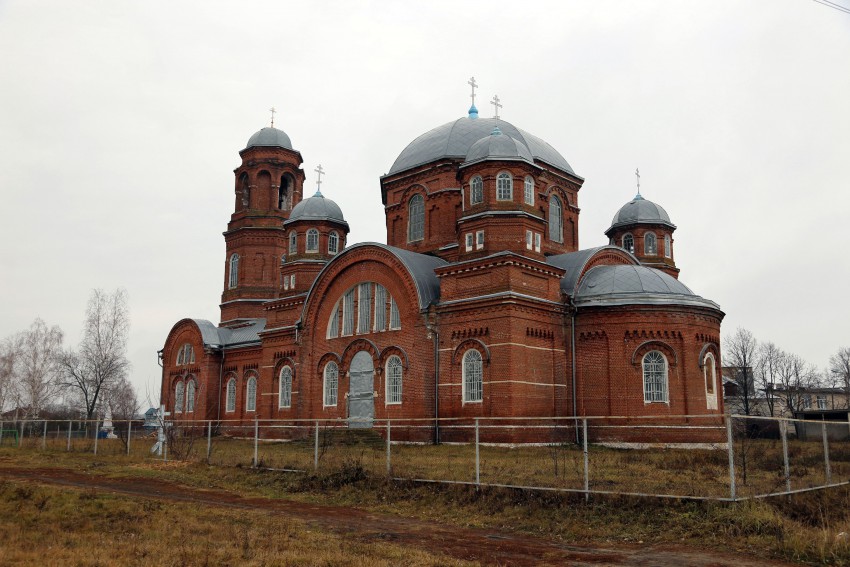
(285, 398)
(251, 395)
(394, 372)
(650, 244)
(629, 243)
(556, 220)
(234, 271)
(190, 396)
(668, 250)
(476, 195)
(654, 377)
(186, 355)
(331, 384)
(395, 316)
(178, 397)
(283, 193)
(231, 395)
(333, 243)
(472, 376)
(504, 187)
(312, 240)
(709, 373)
(293, 242)
(528, 190)
(416, 218)
(246, 191)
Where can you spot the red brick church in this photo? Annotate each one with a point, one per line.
(480, 304)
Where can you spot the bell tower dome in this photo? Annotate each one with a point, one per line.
(268, 185)
(644, 229)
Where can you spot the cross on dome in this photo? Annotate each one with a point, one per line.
(272, 110)
(496, 105)
(637, 174)
(319, 171)
(471, 82)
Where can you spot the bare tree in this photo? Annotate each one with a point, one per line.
(9, 349)
(35, 370)
(796, 376)
(767, 373)
(101, 360)
(839, 370)
(741, 354)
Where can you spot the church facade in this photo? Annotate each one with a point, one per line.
(481, 304)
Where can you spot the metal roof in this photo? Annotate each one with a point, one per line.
(454, 140)
(497, 146)
(316, 208)
(640, 211)
(574, 262)
(269, 137)
(224, 336)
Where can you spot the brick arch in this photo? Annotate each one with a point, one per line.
(708, 348)
(464, 346)
(646, 346)
(356, 346)
(325, 358)
(279, 364)
(397, 351)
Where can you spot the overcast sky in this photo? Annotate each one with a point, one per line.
(120, 126)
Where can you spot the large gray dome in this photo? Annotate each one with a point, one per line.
(455, 139)
(630, 284)
(497, 146)
(316, 208)
(640, 211)
(269, 137)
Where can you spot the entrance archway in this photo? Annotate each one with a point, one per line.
(361, 395)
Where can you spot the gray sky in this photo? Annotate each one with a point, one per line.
(120, 126)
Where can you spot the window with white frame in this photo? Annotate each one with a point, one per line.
(504, 187)
(476, 193)
(285, 283)
(185, 355)
(537, 242)
(394, 375)
(821, 402)
(333, 322)
(251, 395)
(292, 281)
(364, 308)
(380, 308)
(178, 397)
(416, 218)
(668, 249)
(312, 240)
(479, 240)
(650, 244)
(469, 238)
(473, 377)
(190, 396)
(807, 402)
(348, 313)
(233, 280)
(528, 190)
(529, 240)
(331, 384)
(629, 243)
(556, 220)
(333, 243)
(293, 242)
(285, 393)
(395, 316)
(654, 377)
(230, 404)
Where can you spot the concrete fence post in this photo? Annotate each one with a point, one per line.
(256, 441)
(21, 436)
(44, 437)
(731, 448)
(1, 432)
(129, 434)
(827, 469)
(783, 430)
(96, 436)
(389, 462)
(586, 460)
(209, 440)
(316, 447)
(70, 423)
(477, 455)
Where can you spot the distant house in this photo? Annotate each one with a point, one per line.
(151, 418)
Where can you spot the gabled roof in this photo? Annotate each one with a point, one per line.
(245, 334)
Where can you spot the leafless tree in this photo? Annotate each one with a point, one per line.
(35, 369)
(795, 377)
(741, 351)
(9, 349)
(839, 370)
(100, 362)
(767, 373)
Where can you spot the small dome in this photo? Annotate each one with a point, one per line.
(497, 146)
(270, 137)
(316, 208)
(640, 211)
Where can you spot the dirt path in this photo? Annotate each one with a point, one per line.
(490, 547)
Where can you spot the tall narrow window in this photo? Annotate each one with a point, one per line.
(416, 218)
(333, 322)
(472, 376)
(331, 384)
(231, 395)
(348, 313)
(364, 308)
(285, 394)
(504, 187)
(709, 373)
(394, 380)
(650, 244)
(629, 243)
(251, 395)
(556, 220)
(537, 242)
(333, 243)
(312, 240)
(190, 396)
(380, 307)
(395, 316)
(479, 240)
(529, 240)
(528, 190)
(293, 242)
(233, 280)
(469, 238)
(178, 397)
(283, 194)
(476, 195)
(246, 192)
(654, 377)
(668, 250)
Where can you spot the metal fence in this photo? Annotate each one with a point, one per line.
(728, 458)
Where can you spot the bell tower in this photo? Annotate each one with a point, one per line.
(268, 184)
